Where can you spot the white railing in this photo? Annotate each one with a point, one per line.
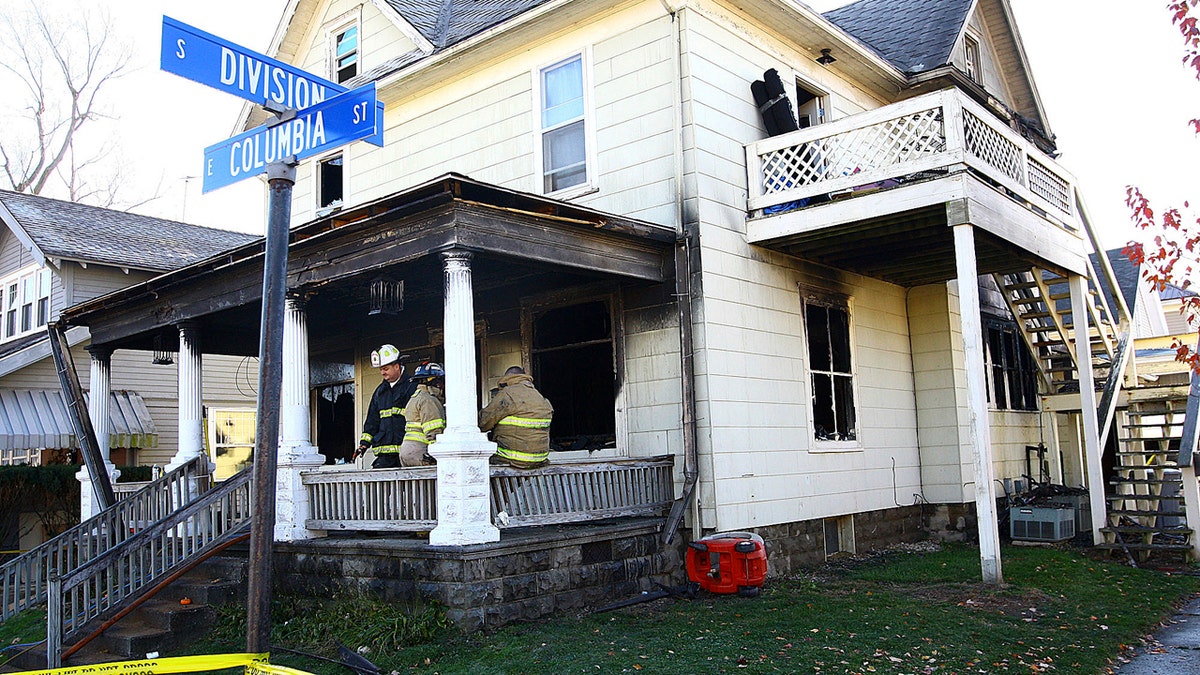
(406, 499)
(150, 554)
(23, 579)
(929, 133)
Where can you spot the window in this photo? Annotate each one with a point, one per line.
(839, 535)
(810, 106)
(563, 127)
(1012, 373)
(827, 326)
(971, 51)
(572, 354)
(330, 185)
(26, 302)
(231, 440)
(345, 54)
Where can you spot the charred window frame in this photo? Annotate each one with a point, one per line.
(330, 176)
(344, 52)
(572, 351)
(1011, 371)
(827, 331)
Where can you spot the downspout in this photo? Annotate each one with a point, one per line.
(683, 302)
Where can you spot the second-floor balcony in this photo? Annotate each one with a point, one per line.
(876, 193)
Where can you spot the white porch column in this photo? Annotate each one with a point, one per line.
(462, 451)
(1087, 402)
(98, 399)
(191, 397)
(979, 427)
(296, 451)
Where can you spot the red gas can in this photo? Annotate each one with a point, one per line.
(728, 562)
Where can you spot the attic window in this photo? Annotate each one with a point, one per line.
(345, 54)
(971, 52)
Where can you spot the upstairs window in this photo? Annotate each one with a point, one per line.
(330, 182)
(830, 366)
(345, 54)
(971, 54)
(26, 302)
(563, 130)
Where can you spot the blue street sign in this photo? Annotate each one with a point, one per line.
(315, 129)
(205, 58)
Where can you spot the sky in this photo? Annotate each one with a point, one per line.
(1109, 74)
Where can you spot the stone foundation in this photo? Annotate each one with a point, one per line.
(530, 574)
(795, 546)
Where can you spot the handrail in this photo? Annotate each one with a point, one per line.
(23, 580)
(107, 581)
(936, 131)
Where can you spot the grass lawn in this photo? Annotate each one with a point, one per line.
(903, 612)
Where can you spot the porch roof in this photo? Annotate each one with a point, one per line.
(515, 236)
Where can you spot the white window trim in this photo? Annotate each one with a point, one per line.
(824, 98)
(34, 271)
(590, 184)
(351, 19)
(822, 297)
(977, 62)
(322, 211)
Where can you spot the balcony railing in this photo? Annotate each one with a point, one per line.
(910, 140)
(406, 499)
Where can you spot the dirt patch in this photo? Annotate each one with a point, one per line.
(1025, 604)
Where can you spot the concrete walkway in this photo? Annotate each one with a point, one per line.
(1173, 650)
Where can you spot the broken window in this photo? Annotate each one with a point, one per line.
(827, 327)
(1012, 373)
(572, 355)
(330, 174)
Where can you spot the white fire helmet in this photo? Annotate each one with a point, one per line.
(384, 355)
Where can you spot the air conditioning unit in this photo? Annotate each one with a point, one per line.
(1041, 523)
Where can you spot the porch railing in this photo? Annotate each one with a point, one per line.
(928, 133)
(23, 580)
(406, 499)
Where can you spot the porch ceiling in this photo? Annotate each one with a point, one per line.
(905, 235)
(520, 241)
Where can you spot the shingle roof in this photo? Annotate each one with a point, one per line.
(78, 232)
(446, 22)
(913, 35)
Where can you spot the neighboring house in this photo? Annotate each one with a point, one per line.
(54, 254)
(830, 330)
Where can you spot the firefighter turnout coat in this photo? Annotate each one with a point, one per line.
(383, 429)
(426, 418)
(519, 419)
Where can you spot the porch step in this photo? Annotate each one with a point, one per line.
(163, 624)
(1180, 530)
(1134, 512)
(1138, 546)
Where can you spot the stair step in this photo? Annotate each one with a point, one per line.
(1129, 512)
(1140, 497)
(1143, 529)
(1143, 481)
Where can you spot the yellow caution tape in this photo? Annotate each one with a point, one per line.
(254, 663)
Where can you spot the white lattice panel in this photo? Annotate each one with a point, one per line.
(1049, 185)
(990, 146)
(885, 144)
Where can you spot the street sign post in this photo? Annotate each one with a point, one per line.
(214, 62)
(342, 119)
(313, 115)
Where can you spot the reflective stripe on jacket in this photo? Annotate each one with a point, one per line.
(426, 417)
(383, 428)
(519, 418)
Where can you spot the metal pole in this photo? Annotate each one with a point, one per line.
(281, 177)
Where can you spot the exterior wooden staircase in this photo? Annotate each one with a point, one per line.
(1146, 513)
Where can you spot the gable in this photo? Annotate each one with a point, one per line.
(914, 35)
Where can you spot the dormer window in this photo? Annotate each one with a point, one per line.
(345, 53)
(26, 302)
(971, 54)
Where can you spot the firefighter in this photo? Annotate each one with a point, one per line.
(519, 419)
(383, 430)
(426, 415)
